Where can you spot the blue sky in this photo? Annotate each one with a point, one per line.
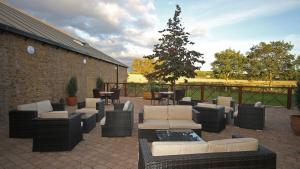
(128, 29)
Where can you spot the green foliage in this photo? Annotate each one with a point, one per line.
(229, 64)
(72, 87)
(297, 94)
(172, 58)
(99, 83)
(268, 61)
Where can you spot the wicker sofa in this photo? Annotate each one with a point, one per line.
(166, 117)
(56, 131)
(20, 119)
(119, 122)
(250, 116)
(92, 106)
(211, 117)
(218, 154)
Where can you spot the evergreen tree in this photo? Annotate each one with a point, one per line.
(172, 58)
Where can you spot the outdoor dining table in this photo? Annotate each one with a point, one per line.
(169, 93)
(106, 94)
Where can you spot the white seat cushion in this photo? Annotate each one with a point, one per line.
(55, 114)
(87, 110)
(126, 105)
(180, 112)
(208, 105)
(154, 124)
(187, 99)
(225, 101)
(258, 104)
(155, 112)
(228, 109)
(27, 107)
(162, 148)
(231, 145)
(91, 102)
(102, 122)
(44, 106)
(184, 124)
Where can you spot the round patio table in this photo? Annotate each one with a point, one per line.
(169, 93)
(106, 94)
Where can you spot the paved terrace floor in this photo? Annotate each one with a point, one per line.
(108, 153)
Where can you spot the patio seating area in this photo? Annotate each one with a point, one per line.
(100, 152)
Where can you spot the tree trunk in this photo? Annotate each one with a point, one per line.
(173, 89)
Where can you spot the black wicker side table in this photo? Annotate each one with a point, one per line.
(88, 122)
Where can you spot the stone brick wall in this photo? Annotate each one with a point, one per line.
(26, 78)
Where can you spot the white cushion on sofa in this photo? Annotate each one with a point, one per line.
(258, 104)
(87, 110)
(91, 102)
(162, 148)
(55, 114)
(184, 124)
(44, 106)
(126, 105)
(154, 124)
(208, 105)
(27, 107)
(231, 145)
(180, 112)
(187, 99)
(155, 112)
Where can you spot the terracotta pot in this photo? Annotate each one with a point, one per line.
(147, 95)
(295, 124)
(71, 101)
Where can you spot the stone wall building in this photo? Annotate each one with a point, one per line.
(37, 61)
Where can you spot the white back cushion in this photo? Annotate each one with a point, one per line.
(180, 112)
(27, 107)
(91, 102)
(188, 99)
(126, 105)
(162, 148)
(231, 145)
(208, 105)
(55, 114)
(44, 106)
(258, 104)
(225, 101)
(155, 112)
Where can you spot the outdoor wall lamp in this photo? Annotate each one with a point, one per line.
(30, 50)
(84, 60)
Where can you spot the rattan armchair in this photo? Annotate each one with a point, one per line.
(250, 117)
(118, 122)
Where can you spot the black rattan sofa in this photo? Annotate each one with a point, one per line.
(211, 119)
(57, 134)
(150, 133)
(100, 107)
(20, 121)
(250, 117)
(118, 122)
(260, 159)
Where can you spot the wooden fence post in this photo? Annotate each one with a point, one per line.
(125, 89)
(240, 95)
(289, 98)
(202, 93)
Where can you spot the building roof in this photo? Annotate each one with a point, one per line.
(16, 21)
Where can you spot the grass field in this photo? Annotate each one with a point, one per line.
(258, 90)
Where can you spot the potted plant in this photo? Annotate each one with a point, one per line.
(72, 90)
(99, 84)
(150, 87)
(295, 119)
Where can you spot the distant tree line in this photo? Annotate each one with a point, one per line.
(265, 61)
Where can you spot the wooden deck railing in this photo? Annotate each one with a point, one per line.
(274, 96)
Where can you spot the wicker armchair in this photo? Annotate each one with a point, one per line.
(98, 109)
(118, 122)
(57, 134)
(250, 117)
(260, 159)
(212, 119)
(20, 120)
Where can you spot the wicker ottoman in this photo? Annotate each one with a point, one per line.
(88, 122)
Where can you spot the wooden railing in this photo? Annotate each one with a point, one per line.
(273, 96)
